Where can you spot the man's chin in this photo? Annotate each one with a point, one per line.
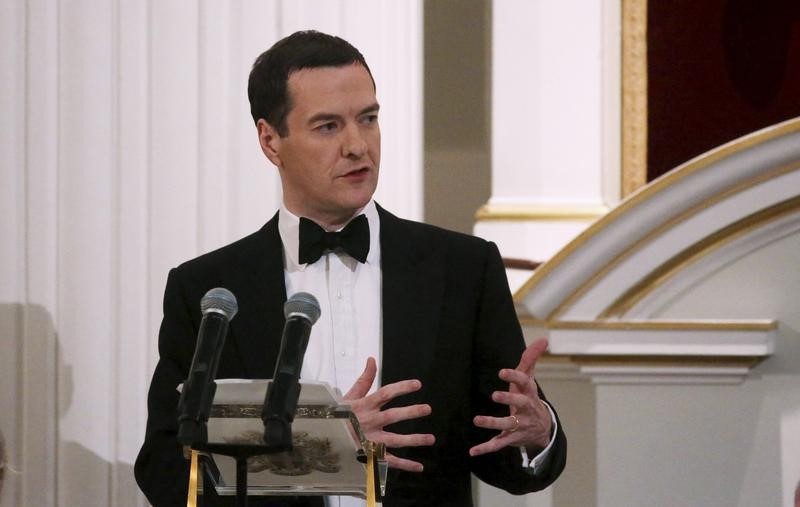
(360, 197)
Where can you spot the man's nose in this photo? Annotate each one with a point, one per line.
(354, 145)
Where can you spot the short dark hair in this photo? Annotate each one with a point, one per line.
(267, 87)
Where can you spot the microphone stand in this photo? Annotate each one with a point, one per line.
(280, 402)
(240, 452)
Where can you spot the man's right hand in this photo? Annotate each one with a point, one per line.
(367, 408)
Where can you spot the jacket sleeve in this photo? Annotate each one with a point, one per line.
(161, 470)
(499, 344)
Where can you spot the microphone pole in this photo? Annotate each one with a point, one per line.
(280, 403)
(218, 307)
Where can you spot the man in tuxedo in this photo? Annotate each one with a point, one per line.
(424, 311)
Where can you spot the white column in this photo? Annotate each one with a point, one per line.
(554, 138)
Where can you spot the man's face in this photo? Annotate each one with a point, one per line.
(329, 159)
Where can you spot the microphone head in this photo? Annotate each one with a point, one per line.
(219, 300)
(304, 305)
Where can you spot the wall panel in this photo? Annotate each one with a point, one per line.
(12, 225)
(213, 58)
(255, 187)
(85, 280)
(38, 417)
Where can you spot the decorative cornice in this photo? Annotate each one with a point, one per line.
(655, 351)
(674, 373)
(646, 369)
(672, 325)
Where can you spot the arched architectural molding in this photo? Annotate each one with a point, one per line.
(616, 296)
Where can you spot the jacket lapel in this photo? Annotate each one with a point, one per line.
(413, 273)
(261, 289)
(413, 284)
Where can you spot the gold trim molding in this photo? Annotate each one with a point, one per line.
(634, 95)
(535, 212)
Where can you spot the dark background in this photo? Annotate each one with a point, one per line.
(717, 69)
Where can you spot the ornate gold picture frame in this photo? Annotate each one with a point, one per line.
(634, 95)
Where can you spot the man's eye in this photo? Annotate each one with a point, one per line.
(370, 118)
(327, 127)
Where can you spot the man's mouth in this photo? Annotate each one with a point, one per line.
(356, 173)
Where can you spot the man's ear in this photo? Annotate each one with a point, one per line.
(270, 141)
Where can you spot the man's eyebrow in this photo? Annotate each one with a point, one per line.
(372, 108)
(325, 117)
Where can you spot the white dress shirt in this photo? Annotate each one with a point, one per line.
(350, 326)
(349, 329)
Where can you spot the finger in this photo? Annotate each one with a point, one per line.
(393, 415)
(391, 391)
(520, 379)
(397, 441)
(517, 400)
(403, 464)
(531, 354)
(495, 423)
(363, 384)
(493, 445)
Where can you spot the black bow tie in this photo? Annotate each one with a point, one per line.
(314, 240)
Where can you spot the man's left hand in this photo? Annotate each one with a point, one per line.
(529, 424)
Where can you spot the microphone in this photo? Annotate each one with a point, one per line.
(301, 312)
(219, 307)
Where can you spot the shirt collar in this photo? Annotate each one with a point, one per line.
(289, 230)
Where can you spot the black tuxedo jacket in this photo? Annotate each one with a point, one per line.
(448, 320)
